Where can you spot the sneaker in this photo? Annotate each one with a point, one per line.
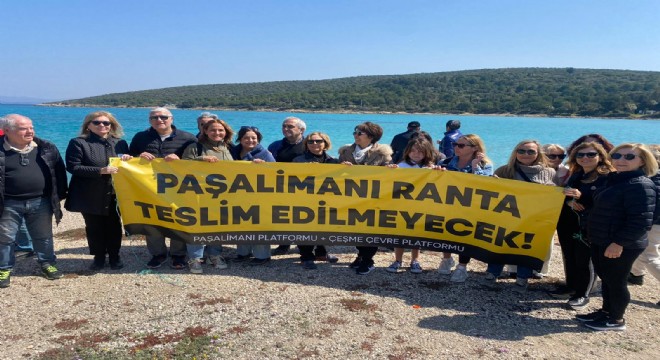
(156, 261)
(255, 261)
(281, 250)
(459, 275)
(394, 267)
(635, 280)
(592, 316)
(4, 278)
(195, 266)
(178, 262)
(356, 263)
(116, 263)
(606, 325)
(50, 272)
(561, 292)
(578, 303)
(241, 258)
(218, 262)
(309, 265)
(537, 275)
(415, 267)
(328, 258)
(365, 268)
(446, 265)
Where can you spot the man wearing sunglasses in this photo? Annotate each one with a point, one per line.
(32, 183)
(285, 150)
(162, 140)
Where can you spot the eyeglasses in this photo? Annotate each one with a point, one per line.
(358, 133)
(590, 155)
(460, 146)
(250, 128)
(315, 141)
(288, 126)
(104, 123)
(555, 156)
(159, 117)
(24, 159)
(528, 152)
(617, 156)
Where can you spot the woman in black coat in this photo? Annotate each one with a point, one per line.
(90, 191)
(621, 216)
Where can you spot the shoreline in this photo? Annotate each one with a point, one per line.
(60, 105)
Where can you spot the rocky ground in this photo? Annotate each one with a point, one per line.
(280, 311)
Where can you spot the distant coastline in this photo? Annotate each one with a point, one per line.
(343, 111)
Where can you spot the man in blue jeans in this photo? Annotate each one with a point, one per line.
(32, 183)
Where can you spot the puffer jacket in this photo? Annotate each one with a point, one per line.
(90, 191)
(51, 156)
(656, 180)
(623, 211)
(149, 141)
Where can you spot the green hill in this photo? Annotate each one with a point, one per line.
(521, 91)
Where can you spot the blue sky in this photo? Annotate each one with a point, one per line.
(76, 48)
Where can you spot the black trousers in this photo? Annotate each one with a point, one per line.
(614, 275)
(367, 253)
(576, 253)
(104, 232)
(310, 252)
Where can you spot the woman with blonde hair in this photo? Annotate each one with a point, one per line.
(90, 191)
(469, 157)
(623, 212)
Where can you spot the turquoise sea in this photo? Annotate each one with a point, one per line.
(501, 133)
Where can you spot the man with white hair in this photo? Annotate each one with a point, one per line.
(32, 183)
(162, 140)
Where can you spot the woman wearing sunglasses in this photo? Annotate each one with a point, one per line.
(90, 191)
(556, 154)
(213, 146)
(622, 214)
(589, 167)
(526, 163)
(366, 151)
(316, 145)
(469, 157)
(249, 148)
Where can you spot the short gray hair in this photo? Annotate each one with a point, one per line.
(8, 122)
(160, 109)
(207, 114)
(299, 123)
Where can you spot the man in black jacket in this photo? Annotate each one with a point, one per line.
(162, 140)
(32, 184)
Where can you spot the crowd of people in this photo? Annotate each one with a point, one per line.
(608, 227)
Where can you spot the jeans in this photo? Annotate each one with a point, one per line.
(523, 271)
(38, 215)
(650, 258)
(196, 251)
(23, 240)
(258, 251)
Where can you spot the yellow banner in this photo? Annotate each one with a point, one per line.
(232, 202)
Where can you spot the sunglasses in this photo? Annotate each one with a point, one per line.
(358, 133)
(24, 159)
(315, 141)
(555, 156)
(590, 155)
(460, 146)
(617, 156)
(251, 128)
(528, 152)
(104, 123)
(159, 117)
